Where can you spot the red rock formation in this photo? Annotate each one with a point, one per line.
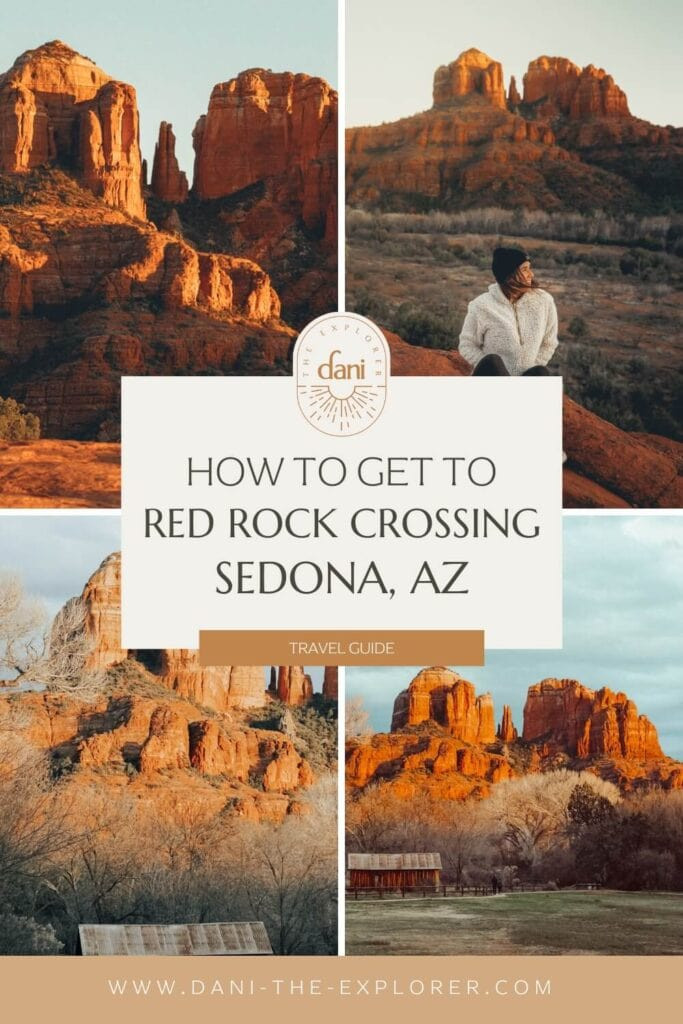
(294, 686)
(563, 145)
(638, 472)
(440, 695)
(57, 107)
(59, 474)
(262, 126)
(102, 600)
(440, 767)
(166, 747)
(331, 682)
(168, 181)
(186, 311)
(558, 87)
(565, 724)
(220, 688)
(471, 72)
(567, 716)
(607, 468)
(506, 730)
(514, 99)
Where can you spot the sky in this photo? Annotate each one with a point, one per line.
(55, 555)
(175, 51)
(623, 610)
(393, 48)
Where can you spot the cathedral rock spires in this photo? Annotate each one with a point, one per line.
(514, 99)
(472, 72)
(169, 183)
(556, 86)
(437, 694)
(506, 730)
(294, 686)
(584, 723)
(59, 108)
(331, 682)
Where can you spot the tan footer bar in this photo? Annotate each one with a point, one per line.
(341, 647)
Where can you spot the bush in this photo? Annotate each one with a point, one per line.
(16, 424)
(631, 394)
(23, 936)
(578, 327)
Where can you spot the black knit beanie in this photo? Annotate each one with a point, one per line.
(505, 262)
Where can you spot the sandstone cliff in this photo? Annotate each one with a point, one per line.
(442, 743)
(441, 696)
(563, 715)
(220, 688)
(59, 108)
(155, 724)
(168, 181)
(264, 183)
(87, 294)
(472, 72)
(262, 126)
(91, 289)
(568, 142)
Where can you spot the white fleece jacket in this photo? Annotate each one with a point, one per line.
(523, 334)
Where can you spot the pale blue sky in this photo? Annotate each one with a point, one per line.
(393, 49)
(623, 609)
(175, 51)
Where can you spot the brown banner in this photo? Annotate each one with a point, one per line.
(341, 647)
(516, 990)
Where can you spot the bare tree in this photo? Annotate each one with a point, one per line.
(22, 626)
(357, 718)
(55, 656)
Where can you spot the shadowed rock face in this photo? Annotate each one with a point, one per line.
(57, 107)
(442, 744)
(558, 87)
(265, 126)
(506, 730)
(331, 682)
(168, 181)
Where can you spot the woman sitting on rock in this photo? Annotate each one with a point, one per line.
(510, 330)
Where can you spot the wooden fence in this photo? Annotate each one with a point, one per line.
(440, 890)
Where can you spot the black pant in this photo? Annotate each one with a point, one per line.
(493, 366)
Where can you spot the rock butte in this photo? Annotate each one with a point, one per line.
(442, 743)
(59, 107)
(263, 125)
(189, 722)
(568, 141)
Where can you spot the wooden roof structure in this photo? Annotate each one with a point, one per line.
(395, 861)
(230, 938)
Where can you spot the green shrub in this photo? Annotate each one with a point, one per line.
(16, 424)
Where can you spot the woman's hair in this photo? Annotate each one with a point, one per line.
(514, 287)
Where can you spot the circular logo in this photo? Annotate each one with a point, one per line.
(341, 369)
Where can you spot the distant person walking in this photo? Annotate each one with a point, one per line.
(510, 330)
